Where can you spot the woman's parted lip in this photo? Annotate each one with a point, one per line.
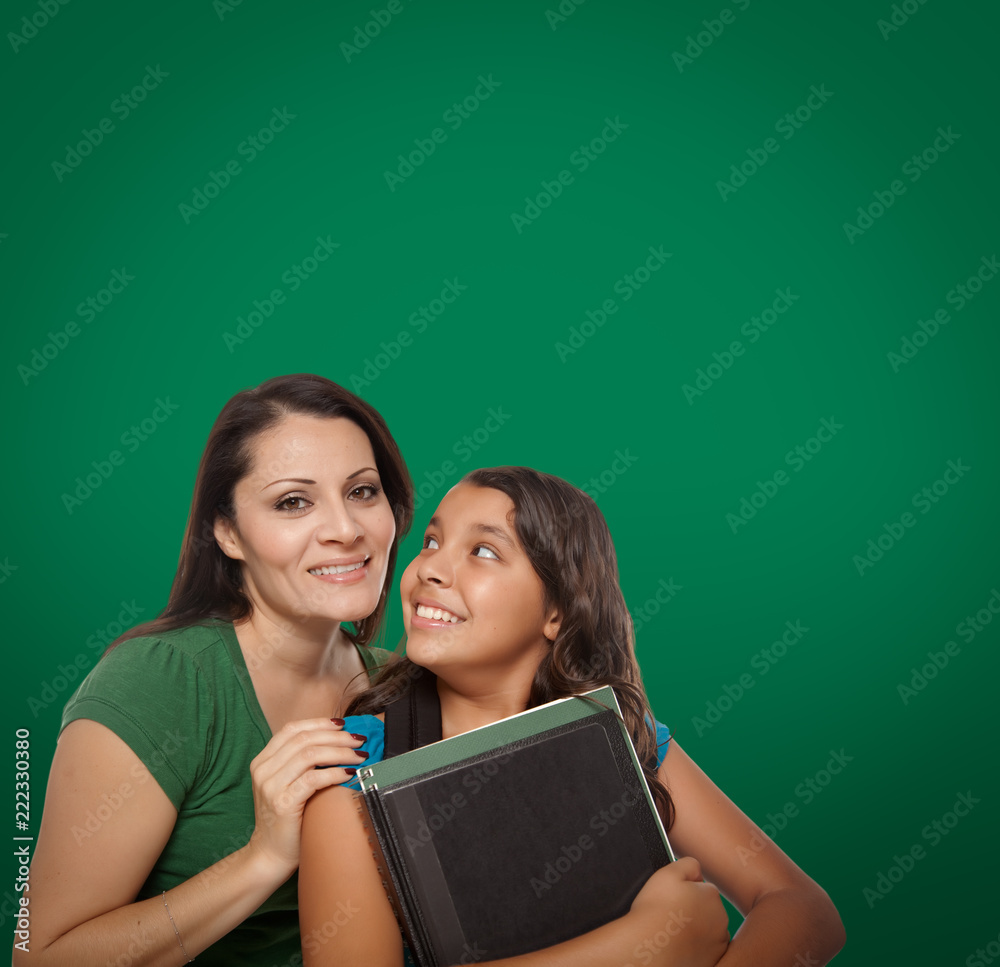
(340, 566)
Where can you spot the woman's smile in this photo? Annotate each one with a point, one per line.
(313, 526)
(342, 572)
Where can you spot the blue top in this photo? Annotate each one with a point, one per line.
(374, 730)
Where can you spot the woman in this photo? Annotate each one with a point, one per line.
(514, 601)
(227, 701)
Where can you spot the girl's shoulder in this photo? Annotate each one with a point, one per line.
(662, 741)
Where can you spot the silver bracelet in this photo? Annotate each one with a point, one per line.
(174, 925)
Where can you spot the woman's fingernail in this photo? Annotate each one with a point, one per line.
(351, 772)
(338, 722)
(360, 738)
(364, 755)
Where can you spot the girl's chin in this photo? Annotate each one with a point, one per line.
(423, 652)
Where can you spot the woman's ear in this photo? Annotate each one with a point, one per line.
(227, 537)
(552, 624)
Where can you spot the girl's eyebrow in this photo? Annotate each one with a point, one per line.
(496, 532)
(502, 536)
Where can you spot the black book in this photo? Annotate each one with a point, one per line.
(515, 836)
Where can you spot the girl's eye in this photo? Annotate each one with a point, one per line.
(481, 550)
(291, 503)
(430, 543)
(365, 492)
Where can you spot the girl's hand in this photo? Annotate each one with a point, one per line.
(290, 768)
(679, 919)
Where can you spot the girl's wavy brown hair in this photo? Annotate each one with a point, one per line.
(567, 540)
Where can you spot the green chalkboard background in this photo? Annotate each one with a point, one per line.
(612, 195)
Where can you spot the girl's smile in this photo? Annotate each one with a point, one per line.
(458, 593)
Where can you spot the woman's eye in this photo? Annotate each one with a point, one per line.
(291, 503)
(481, 550)
(365, 492)
(430, 543)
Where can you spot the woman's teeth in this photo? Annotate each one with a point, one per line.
(437, 614)
(338, 569)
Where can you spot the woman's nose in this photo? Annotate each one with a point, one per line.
(339, 524)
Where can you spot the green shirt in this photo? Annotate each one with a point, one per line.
(185, 704)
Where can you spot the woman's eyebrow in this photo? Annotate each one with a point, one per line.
(302, 480)
(298, 480)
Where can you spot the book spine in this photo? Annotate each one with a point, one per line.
(386, 852)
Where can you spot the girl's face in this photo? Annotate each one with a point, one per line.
(471, 599)
(312, 527)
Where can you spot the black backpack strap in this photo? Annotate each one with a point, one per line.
(414, 719)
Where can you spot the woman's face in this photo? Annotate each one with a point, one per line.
(313, 527)
(471, 599)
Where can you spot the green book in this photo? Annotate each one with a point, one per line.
(517, 835)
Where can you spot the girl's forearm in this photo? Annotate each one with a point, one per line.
(606, 946)
(787, 928)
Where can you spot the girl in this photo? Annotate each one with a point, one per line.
(514, 601)
(225, 701)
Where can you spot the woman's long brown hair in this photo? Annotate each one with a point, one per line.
(208, 584)
(567, 540)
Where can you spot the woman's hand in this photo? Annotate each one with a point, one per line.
(300, 759)
(679, 919)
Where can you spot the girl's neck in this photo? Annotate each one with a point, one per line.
(462, 712)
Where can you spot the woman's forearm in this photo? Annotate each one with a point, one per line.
(203, 910)
(787, 928)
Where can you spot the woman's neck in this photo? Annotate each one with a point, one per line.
(299, 672)
(292, 649)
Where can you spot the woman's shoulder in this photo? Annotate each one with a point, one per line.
(163, 694)
(193, 657)
(207, 650)
(193, 640)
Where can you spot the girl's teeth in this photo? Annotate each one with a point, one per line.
(338, 569)
(436, 614)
